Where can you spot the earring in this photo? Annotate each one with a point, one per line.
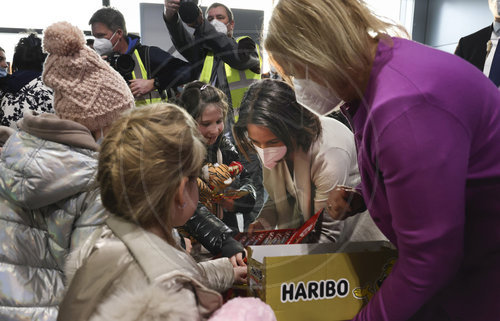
(182, 206)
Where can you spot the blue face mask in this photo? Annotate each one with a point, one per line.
(3, 72)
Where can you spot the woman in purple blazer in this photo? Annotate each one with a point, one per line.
(427, 130)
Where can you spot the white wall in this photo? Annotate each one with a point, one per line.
(441, 23)
(40, 14)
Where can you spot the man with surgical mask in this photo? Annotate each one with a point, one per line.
(479, 48)
(221, 60)
(154, 71)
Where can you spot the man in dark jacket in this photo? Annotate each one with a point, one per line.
(479, 47)
(222, 61)
(152, 71)
(225, 62)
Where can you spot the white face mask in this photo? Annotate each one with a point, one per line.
(104, 46)
(270, 156)
(3, 72)
(318, 99)
(219, 26)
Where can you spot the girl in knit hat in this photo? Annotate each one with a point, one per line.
(86, 89)
(136, 270)
(49, 203)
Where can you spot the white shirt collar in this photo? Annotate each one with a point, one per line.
(496, 27)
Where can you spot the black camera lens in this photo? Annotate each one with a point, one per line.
(189, 11)
(125, 64)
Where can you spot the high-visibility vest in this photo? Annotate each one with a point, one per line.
(237, 80)
(140, 72)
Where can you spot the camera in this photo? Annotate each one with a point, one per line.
(124, 64)
(189, 11)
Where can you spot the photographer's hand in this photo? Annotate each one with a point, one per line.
(198, 21)
(171, 9)
(141, 87)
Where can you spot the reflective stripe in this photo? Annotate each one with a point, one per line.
(206, 72)
(244, 82)
(151, 97)
(237, 80)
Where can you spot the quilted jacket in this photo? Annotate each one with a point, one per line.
(49, 205)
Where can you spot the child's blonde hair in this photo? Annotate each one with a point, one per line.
(143, 159)
(331, 36)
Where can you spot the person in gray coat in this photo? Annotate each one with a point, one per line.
(133, 266)
(49, 201)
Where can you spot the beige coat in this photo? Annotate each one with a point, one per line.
(131, 274)
(330, 161)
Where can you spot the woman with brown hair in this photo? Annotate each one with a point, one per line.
(303, 156)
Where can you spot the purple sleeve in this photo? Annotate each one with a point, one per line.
(423, 158)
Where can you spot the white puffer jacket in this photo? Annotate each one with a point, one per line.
(49, 205)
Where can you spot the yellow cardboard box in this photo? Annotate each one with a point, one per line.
(318, 281)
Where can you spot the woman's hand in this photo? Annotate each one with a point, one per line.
(238, 259)
(189, 245)
(240, 275)
(255, 226)
(343, 202)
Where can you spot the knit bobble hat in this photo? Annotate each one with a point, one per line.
(86, 89)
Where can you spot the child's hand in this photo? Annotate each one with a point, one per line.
(238, 259)
(189, 246)
(240, 275)
(255, 226)
(227, 204)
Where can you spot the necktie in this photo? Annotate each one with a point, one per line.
(495, 67)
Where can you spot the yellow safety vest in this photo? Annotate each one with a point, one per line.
(238, 80)
(140, 72)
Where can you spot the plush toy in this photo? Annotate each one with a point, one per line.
(214, 180)
(220, 176)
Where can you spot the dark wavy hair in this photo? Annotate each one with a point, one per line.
(272, 104)
(197, 95)
(28, 54)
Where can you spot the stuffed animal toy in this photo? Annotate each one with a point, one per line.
(214, 180)
(220, 176)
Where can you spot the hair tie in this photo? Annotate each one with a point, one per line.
(203, 87)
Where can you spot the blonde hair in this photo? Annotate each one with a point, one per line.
(143, 159)
(332, 37)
